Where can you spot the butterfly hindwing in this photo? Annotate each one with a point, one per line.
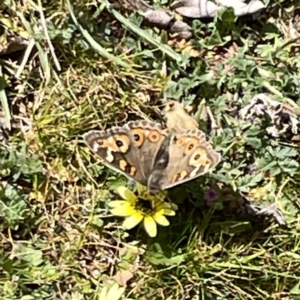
(190, 156)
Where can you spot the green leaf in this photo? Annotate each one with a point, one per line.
(295, 289)
(244, 183)
(256, 143)
(227, 15)
(157, 256)
(32, 256)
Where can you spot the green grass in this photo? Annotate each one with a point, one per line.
(85, 70)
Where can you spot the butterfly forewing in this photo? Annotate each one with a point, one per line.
(117, 148)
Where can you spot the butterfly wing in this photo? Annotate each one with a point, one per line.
(118, 150)
(150, 140)
(190, 156)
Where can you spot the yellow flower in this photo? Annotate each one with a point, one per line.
(113, 292)
(142, 207)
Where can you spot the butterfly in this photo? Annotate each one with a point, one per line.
(152, 156)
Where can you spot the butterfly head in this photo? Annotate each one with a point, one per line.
(171, 106)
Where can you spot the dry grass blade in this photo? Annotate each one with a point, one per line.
(142, 34)
(4, 101)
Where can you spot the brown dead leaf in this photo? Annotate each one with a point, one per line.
(123, 276)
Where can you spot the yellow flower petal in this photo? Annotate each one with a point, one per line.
(173, 206)
(160, 206)
(123, 210)
(167, 205)
(116, 203)
(161, 220)
(126, 194)
(103, 293)
(169, 212)
(150, 226)
(133, 220)
(115, 292)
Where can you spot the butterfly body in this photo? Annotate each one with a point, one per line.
(145, 152)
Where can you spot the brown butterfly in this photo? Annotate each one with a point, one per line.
(143, 151)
